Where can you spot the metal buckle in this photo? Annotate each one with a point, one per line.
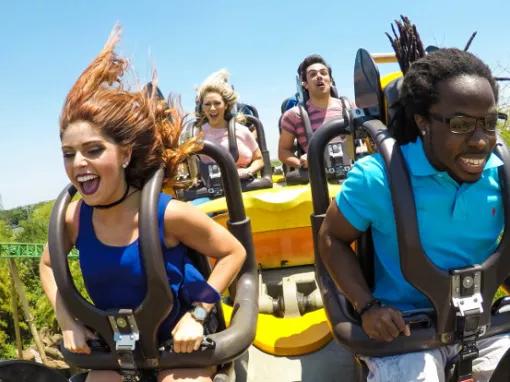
(125, 330)
(214, 171)
(467, 299)
(466, 296)
(125, 335)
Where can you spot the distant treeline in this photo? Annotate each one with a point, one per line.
(27, 224)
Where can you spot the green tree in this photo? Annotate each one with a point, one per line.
(35, 226)
(5, 232)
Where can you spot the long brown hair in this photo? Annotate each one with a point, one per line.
(134, 118)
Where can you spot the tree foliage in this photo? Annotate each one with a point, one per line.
(27, 225)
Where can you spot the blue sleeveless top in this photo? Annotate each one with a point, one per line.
(115, 278)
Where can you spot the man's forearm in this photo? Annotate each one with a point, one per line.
(344, 268)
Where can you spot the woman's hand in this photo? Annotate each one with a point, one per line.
(187, 334)
(303, 160)
(75, 337)
(244, 173)
(384, 324)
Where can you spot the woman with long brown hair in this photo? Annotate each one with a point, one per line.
(113, 139)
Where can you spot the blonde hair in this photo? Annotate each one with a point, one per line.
(217, 82)
(135, 118)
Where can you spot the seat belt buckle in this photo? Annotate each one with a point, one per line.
(125, 335)
(125, 330)
(466, 290)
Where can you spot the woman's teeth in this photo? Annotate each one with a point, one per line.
(84, 178)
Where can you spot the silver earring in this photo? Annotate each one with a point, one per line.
(423, 132)
(124, 165)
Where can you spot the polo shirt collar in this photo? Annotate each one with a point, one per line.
(419, 165)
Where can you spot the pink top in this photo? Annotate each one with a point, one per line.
(292, 122)
(246, 143)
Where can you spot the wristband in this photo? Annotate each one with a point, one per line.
(369, 305)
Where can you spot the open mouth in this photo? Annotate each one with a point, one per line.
(88, 183)
(472, 164)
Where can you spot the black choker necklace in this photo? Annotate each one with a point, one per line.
(123, 197)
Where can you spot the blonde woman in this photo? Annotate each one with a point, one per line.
(216, 101)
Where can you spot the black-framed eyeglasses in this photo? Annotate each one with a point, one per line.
(463, 124)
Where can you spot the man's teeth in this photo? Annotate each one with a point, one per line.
(85, 178)
(472, 161)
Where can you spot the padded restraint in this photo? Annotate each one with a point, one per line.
(416, 266)
(232, 139)
(25, 371)
(229, 344)
(391, 97)
(346, 326)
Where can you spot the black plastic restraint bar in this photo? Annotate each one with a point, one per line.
(229, 343)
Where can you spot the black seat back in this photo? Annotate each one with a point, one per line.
(336, 170)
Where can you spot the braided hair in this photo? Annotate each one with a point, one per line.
(422, 74)
(407, 44)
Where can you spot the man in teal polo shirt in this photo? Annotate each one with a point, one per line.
(446, 210)
(446, 130)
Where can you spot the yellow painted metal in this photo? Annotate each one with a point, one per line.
(275, 208)
(280, 221)
(289, 336)
(384, 58)
(279, 218)
(385, 80)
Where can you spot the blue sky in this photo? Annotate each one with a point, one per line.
(46, 44)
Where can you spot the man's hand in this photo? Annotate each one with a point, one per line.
(384, 324)
(187, 334)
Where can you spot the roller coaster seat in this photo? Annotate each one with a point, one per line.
(129, 337)
(335, 167)
(247, 109)
(210, 184)
(430, 328)
(426, 323)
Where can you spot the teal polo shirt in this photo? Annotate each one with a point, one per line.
(459, 225)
